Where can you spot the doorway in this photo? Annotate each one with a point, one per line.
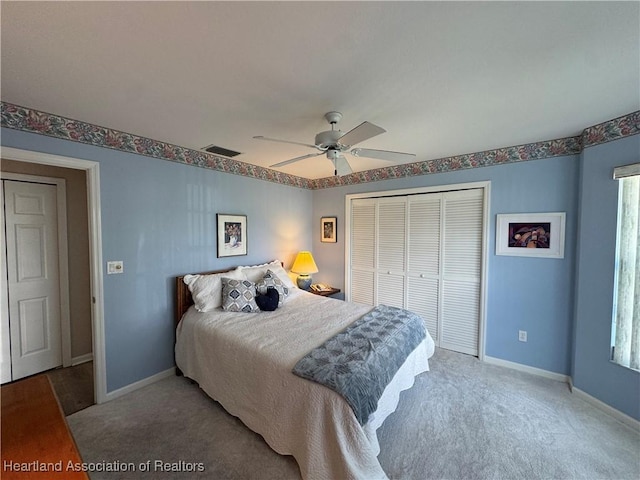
(91, 170)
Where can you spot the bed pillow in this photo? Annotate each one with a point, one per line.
(271, 280)
(239, 295)
(256, 272)
(206, 290)
(282, 274)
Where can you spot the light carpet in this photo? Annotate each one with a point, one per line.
(462, 420)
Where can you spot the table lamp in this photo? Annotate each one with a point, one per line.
(304, 266)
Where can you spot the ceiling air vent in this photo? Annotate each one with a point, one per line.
(225, 152)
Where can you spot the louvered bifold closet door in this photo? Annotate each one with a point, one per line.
(392, 251)
(462, 260)
(363, 248)
(423, 260)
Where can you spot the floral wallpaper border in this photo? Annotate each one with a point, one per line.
(501, 156)
(34, 121)
(602, 133)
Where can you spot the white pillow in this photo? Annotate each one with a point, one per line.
(255, 273)
(206, 290)
(281, 273)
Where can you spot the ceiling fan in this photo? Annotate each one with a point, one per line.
(334, 143)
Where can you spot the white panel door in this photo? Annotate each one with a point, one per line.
(33, 277)
(5, 338)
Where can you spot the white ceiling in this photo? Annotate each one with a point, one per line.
(443, 78)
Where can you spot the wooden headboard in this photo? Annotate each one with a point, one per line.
(183, 295)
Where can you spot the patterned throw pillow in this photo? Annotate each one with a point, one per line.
(239, 296)
(270, 279)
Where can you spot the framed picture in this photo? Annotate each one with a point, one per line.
(329, 229)
(232, 235)
(531, 234)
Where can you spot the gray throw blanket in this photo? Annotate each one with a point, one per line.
(360, 361)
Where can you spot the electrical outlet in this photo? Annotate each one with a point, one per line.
(115, 267)
(522, 335)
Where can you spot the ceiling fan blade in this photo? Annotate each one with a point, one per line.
(382, 154)
(342, 166)
(260, 137)
(297, 159)
(362, 132)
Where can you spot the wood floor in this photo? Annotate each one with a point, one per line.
(73, 387)
(36, 442)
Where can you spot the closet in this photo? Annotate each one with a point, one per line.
(423, 252)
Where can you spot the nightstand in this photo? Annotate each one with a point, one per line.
(326, 293)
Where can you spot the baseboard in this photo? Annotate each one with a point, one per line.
(139, 384)
(600, 405)
(87, 357)
(526, 368)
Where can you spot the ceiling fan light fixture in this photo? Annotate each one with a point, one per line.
(333, 154)
(334, 143)
(328, 139)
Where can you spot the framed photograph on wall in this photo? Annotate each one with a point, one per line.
(232, 235)
(531, 234)
(329, 229)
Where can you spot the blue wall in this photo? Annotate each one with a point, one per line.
(592, 371)
(159, 218)
(532, 294)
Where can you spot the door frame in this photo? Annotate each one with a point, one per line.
(485, 186)
(92, 170)
(63, 253)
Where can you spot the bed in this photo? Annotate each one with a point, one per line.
(244, 361)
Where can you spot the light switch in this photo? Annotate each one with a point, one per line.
(115, 267)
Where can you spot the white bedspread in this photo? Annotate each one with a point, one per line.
(244, 362)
